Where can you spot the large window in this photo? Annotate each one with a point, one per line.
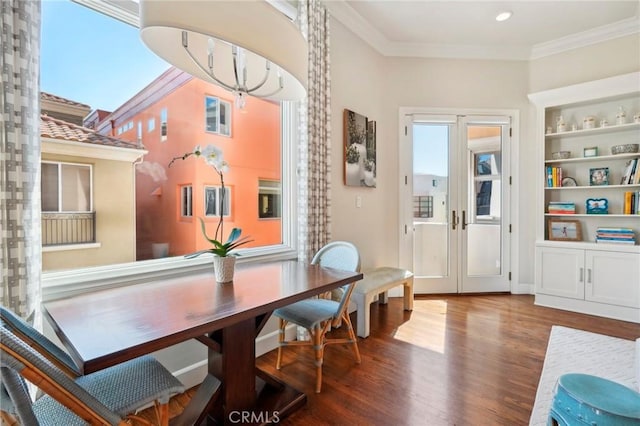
(140, 201)
(66, 187)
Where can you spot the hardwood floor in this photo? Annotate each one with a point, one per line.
(453, 360)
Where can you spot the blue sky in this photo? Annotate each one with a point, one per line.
(93, 59)
(430, 144)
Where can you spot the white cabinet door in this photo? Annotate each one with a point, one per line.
(560, 272)
(613, 277)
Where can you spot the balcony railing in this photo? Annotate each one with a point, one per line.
(68, 228)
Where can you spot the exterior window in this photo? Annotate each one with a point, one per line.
(66, 187)
(269, 199)
(163, 125)
(217, 116)
(151, 125)
(212, 201)
(423, 206)
(67, 216)
(139, 131)
(186, 201)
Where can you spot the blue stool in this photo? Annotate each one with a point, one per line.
(581, 399)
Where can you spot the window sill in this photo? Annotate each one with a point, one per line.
(65, 247)
(63, 284)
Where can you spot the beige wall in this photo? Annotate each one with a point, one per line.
(358, 83)
(607, 59)
(377, 86)
(115, 217)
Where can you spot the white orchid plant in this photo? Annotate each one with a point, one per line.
(212, 155)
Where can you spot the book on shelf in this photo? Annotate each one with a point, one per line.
(615, 235)
(628, 176)
(561, 207)
(615, 229)
(604, 241)
(631, 202)
(554, 177)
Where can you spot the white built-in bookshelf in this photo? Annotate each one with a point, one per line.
(581, 263)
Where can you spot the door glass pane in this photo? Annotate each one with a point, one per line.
(430, 199)
(484, 213)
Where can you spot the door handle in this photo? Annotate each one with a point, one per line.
(464, 220)
(589, 275)
(454, 220)
(581, 275)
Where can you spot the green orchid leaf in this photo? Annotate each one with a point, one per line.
(204, 232)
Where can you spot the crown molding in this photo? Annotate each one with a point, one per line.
(351, 19)
(618, 29)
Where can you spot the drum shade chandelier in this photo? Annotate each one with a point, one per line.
(247, 47)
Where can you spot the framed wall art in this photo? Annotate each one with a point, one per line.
(359, 150)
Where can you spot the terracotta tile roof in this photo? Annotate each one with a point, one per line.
(57, 129)
(53, 98)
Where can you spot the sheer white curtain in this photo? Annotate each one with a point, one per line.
(20, 250)
(314, 184)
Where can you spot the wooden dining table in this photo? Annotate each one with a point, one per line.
(108, 327)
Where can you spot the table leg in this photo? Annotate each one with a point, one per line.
(248, 395)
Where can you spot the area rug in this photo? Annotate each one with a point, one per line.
(576, 351)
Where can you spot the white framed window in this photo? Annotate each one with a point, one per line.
(217, 115)
(163, 125)
(269, 199)
(139, 131)
(280, 163)
(66, 187)
(212, 199)
(186, 201)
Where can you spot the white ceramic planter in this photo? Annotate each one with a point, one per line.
(224, 268)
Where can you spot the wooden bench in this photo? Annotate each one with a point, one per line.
(377, 282)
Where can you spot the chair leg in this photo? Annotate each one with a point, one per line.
(318, 346)
(283, 324)
(352, 336)
(162, 411)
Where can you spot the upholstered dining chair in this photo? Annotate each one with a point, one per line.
(317, 315)
(107, 397)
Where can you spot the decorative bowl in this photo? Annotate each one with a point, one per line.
(628, 148)
(560, 155)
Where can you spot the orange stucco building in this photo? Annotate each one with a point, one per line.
(169, 117)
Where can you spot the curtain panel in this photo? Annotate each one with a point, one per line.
(21, 250)
(314, 184)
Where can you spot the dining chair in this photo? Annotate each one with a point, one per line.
(39, 341)
(317, 315)
(107, 397)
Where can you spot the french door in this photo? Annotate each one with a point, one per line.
(455, 202)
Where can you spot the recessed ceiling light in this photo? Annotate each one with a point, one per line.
(503, 16)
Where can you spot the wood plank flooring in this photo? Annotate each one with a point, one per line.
(453, 360)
